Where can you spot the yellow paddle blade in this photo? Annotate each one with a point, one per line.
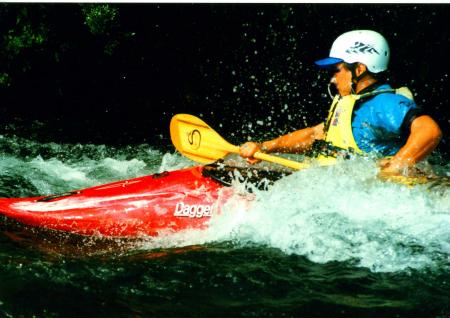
(196, 140)
(193, 138)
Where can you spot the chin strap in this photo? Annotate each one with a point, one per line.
(355, 78)
(358, 78)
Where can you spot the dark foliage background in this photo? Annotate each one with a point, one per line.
(116, 73)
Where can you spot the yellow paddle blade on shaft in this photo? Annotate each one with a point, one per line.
(193, 138)
(197, 141)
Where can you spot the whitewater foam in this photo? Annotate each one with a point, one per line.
(340, 213)
(344, 213)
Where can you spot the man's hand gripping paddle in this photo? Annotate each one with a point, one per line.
(194, 139)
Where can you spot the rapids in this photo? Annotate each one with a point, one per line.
(341, 213)
(322, 242)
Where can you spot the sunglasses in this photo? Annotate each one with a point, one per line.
(332, 69)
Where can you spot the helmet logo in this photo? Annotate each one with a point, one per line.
(360, 47)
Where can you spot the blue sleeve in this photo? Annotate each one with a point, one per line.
(392, 110)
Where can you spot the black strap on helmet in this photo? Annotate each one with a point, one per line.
(355, 79)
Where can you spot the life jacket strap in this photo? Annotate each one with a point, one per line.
(327, 149)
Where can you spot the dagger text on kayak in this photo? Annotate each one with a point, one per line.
(194, 210)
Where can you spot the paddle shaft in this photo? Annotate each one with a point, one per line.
(196, 140)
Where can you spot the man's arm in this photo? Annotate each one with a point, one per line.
(295, 142)
(425, 135)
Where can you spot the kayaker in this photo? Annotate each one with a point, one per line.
(367, 116)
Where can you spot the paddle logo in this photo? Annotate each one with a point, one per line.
(193, 210)
(195, 138)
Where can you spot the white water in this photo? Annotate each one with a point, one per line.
(341, 213)
(345, 213)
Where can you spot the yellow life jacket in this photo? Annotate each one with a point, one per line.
(338, 126)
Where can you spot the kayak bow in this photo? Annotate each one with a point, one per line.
(152, 205)
(145, 206)
(170, 201)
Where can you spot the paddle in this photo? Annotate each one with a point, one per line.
(193, 138)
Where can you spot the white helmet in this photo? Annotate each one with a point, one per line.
(364, 46)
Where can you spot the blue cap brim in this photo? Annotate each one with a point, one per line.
(328, 62)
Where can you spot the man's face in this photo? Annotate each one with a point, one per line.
(342, 79)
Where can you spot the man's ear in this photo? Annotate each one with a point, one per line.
(360, 69)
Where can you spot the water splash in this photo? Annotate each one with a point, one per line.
(29, 168)
(344, 213)
(340, 213)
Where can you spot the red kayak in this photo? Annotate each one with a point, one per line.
(150, 205)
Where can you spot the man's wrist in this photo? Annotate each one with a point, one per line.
(263, 147)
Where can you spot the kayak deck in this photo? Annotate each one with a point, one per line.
(144, 206)
(170, 201)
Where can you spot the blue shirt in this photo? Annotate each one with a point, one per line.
(377, 122)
